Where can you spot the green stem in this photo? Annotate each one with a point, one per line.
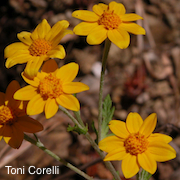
(104, 61)
(42, 147)
(78, 116)
(143, 175)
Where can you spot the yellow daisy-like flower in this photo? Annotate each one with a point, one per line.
(13, 118)
(38, 46)
(52, 87)
(136, 145)
(107, 21)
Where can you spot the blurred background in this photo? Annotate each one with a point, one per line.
(143, 78)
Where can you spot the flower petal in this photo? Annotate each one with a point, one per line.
(49, 66)
(26, 93)
(130, 166)
(132, 28)
(147, 162)
(57, 29)
(28, 124)
(25, 37)
(100, 8)
(20, 57)
(13, 48)
(97, 35)
(130, 17)
(58, 52)
(85, 15)
(111, 143)
(33, 66)
(11, 89)
(149, 125)
(116, 155)
(68, 72)
(74, 87)
(84, 28)
(155, 137)
(117, 8)
(51, 108)
(2, 98)
(36, 105)
(161, 151)
(119, 37)
(34, 82)
(119, 128)
(69, 102)
(133, 122)
(41, 30)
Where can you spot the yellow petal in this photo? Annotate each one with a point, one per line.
(69, 102)
(111, 143)
(100, 8)
(116, 155)
(36, 105)
(26, 93)
(51, 108)
(41, 30)
(56, 29)
(97, 35)
(2, 98)
(49, 66)
(133, 122)
(130, 166)
(130, 17)
(33, 66)
(147, 162)
(161, 151)
(74, 87)
(85, 15)
(29, 125)
(119, 128)
(20, 57)
(13, 136)
(11, 89)
(34, 82)
(58, 52)
(68, 72)
(84, 28)
(155, 137)
(25, 37)
(132, 28)
(119, 37)
(117, 8)
(13, 48)
(149, 125)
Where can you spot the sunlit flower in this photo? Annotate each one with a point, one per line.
(38, 46)
(107, 21)
(13, 119)
(52, 87)
(136, 145)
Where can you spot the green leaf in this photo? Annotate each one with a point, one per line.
(77, 129)
(144, 175)
(107, 113)
(95, 130)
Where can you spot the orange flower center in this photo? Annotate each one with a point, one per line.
(7, 115)
(50, 87)
(136, 144)
(39, 47)
(110, 20)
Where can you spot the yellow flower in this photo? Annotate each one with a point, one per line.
(136, 145)
(13, 118)
(107, 21)
(38, 46)
(50, 88)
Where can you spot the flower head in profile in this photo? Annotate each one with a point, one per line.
(52, 87)
(38, 46)
(13, 118)
(107, 21)
(136, 145)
